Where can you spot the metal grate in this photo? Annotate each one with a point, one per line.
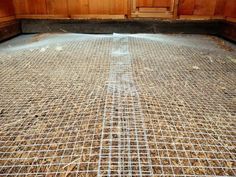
(117, 105)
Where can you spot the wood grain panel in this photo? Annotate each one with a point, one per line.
(68, 8)
(30, 7)
(57, 7)
(37, 6)
(21, 7)
(220, 7)
(78, 7)
(203, 7)
(230, 8)
(186, 7)
(6, 8)
(114, 7)
(99, 7)
(119, 7)
(153, 3)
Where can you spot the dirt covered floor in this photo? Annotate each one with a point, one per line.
(117, 105)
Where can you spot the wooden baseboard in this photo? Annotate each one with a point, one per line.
(197, 17)
(152, 10)
(97, 16)
(85, 16)
(152, 15)
(7, 19)
(26, 16)
(9, 29)
(229, 19)
(163, 15)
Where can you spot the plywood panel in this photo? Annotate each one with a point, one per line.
(57, 7)
(67, 8)
(37, 6)
(144, 3)
(153, 3)
(119, 7)
(99, 7)
(230, 8)
(186, 7)
(220, 7)
(6, 8)
(30, 6)
(21, 7)
(78, 7)
(203, 7)
(116, 7)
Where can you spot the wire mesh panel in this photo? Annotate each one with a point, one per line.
(117, 105)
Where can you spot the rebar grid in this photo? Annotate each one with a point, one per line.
(117, 106)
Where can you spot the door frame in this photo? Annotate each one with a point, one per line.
(170, 14)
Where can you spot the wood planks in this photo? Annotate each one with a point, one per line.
(6, 8)
(153, 3)
(186, 7)
(9, 27)
(57, 7)
(230, 9)
(202, 9)
(220, 8)
(7, 13)
(70, 8)
(120, 8)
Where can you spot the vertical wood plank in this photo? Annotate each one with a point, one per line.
(154, 3)
(162, 3)
(6, 8)
(176, 7)
(36, 7)
(230, 8)
(78, 7)
(56, 7)
(116, 7)
(186, 7)
(21, 7)
(204, 8)
(95, 7)
(220, 7)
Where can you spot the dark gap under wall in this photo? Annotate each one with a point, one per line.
(219, 28)
(228, 31)
(120, 26)
(9, 30)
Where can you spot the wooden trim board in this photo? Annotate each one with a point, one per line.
(6, 19)
(42, 17)
(86, 16)
(197, 17)
(97, 16)
(152, 15)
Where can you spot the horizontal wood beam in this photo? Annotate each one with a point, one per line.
(6, 19)
(33, 16)
(97, 16)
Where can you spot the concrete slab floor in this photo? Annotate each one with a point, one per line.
(117, 105)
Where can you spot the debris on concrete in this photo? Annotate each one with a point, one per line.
(221, 43)
(1, 111)
(43, 49)
(196, 67)
(233, 59)
(59, 48)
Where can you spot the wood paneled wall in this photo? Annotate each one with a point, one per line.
(9, 26)
(208, 8)
(70, 8)
(230, 9)
(114, 8)
(154, 3)
(6, 11)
